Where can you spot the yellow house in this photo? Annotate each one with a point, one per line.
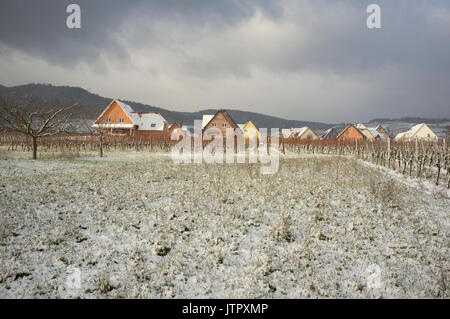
(250, 131)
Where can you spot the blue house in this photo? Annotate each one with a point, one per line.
(330, 135)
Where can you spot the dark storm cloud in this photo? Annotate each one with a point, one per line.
(39, 27)
(319, 53)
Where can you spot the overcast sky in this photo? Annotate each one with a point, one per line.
(297, 59)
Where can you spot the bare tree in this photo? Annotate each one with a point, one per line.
(34, 119)
(99, 131)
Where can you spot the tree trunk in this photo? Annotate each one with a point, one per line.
(101, 148)
(34, 141)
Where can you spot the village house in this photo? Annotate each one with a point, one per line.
(374, 133)
(221, 120)
(329, 135)
(351, 134)
(417, 132)
(287, 133)
(306, 133)
(176, 130)
(363, 129)
(250, 131)
(302, 133)
(384, 134)
(121, 119)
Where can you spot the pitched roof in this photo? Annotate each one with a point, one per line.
(129, 110)
(380, 127)
(344, 130)
(286, 132)
(301, 131)
(146, 121)
(374, 132)
(228, 118)
(360, 126)
(298, 131)
(225, 115)
(413, 131)
(206, 119)
(416, 128)
(328, 132)
(150, 121)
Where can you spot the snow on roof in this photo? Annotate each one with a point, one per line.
(301, 131)
(329, 134)
(416, 128)
(286, 132)
(401, 135)
(361, 126)
(375, 133)
(150, 122)
(129, 110)
(412, 132)
(205, 120)
(146, 121)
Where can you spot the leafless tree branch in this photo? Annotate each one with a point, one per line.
(42, 120)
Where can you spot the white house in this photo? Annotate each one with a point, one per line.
(120, 118)
(419, 132)
(206, 119)
(300, 133)
(305, 133)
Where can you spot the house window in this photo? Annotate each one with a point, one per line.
(224, 124)
(108, 120)
(153, 125)
(213, 124)
(121, 120)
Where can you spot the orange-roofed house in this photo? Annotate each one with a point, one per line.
(121, 119)
(351, 134)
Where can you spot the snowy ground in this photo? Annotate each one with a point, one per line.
(136, 225)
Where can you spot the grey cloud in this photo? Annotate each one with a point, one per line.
(201, 44)
(39, 27)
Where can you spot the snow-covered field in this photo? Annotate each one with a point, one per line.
(136, 225)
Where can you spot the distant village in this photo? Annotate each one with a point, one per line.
(120, 119)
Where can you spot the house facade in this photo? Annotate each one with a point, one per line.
(351, 134)
(367, 132)
(120, 119)
(299, 133)
(417, 132)
(221, 120)
(250, 131)
(374, 133)
(176, 130)
(306, 133)
(330, 135)
(383, 132)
